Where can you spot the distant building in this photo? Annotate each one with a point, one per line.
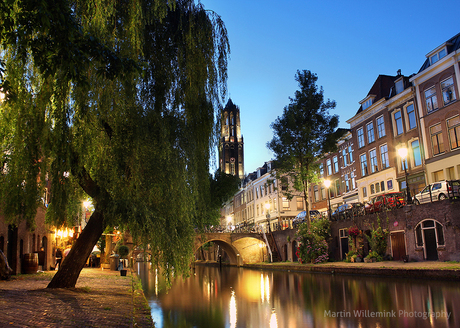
(231, 152)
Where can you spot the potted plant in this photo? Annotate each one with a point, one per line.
(371, 257)
(123, 251)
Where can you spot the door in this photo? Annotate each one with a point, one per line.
(430, 244)
(398, 246)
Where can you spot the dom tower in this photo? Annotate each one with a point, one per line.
(231, 158)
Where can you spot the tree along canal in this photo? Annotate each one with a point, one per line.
(238, 297)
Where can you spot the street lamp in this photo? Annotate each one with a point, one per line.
(403, 154)
(327, 184)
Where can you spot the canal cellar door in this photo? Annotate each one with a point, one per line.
(398, 245)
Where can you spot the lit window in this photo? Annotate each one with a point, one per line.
(436, 139)
(360, 138)
(321, 170)
(350, 153)
(431, 100)
(363, 160)
(316, 193)
(353, 181)
(370, 132)
(411, 116)
(347, 183)
(299, 203)
(336, 164)
(344, 155)
(398, 122)
(384, 157)
(337, 186)
(453, 125)
(285, 203)
(380, 127)
(415, 145)
(373, 157)
(448, 92)
(390, 184)
(329, 167)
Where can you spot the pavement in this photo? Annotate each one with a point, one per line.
(101, 298)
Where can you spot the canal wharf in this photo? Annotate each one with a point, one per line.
(421, 270)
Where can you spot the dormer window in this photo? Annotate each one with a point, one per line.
(399, 86)
(367, 102)
(437, 56)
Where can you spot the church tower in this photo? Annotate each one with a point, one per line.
(231, 154)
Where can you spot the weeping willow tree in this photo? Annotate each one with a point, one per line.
(117, 101)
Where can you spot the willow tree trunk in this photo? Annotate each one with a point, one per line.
(74, 262)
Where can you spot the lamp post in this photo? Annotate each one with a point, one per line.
(403, 154)
(327, 184)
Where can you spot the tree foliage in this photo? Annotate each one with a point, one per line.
(118, 101)
(302, 135)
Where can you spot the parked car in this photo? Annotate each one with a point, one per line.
(300, 218)
(348, 211)
(386, 201)
(439, 190)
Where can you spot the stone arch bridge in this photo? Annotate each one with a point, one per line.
(242, 248)
(245, 248)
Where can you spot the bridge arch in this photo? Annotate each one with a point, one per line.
(240, 248)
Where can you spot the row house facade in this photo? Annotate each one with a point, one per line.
(261, 202)
(437, 91)
(339, 169)
(419, 112)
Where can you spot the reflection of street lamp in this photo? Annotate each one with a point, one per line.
(267, 207)
(403, 154)
(327, 184)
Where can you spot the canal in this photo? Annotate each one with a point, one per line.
(236, 297)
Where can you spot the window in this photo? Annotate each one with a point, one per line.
(299, 203)
(257, 193)
(373, 157)
(367, 103)
(323, 193)
(453, 125)
(329, 167)
(437, 56)
(350, 153)
(364, 192)
(337, 186)
(353, 181)
(372, 189)
(384, 157)
(285, 203)
(321, 170)
(377, 187)
(398, 122)
(399, 86)
(382, 185)
(411, 116)
(284, 183)
(380, 127)
(363, 160)
(415, 145)
(370, 132)
(347, 183)
(345, 157)
(438, 175)
(448, 92)
(316, 193)
(436, 139)
(431, 100)
(390, 184)
(360, 138)
(336, 164)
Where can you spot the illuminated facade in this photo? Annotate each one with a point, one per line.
(231, 153)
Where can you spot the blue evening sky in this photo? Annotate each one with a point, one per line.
(346, 43)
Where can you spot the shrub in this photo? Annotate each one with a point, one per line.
(313, 246)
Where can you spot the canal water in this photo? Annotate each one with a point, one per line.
(236, 297)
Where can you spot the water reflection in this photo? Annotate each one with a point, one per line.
(236, 297)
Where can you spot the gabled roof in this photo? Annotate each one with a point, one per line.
(381, 88)
(452, 45)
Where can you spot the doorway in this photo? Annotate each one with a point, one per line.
(343, 236)
(429, 234)
(398, 245)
